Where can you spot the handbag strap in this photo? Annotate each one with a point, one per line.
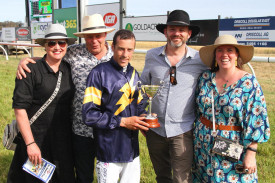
(214, 133)
(47, 103)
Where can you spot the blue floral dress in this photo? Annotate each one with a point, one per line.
(241, 104)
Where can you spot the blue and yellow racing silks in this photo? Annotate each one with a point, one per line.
(110, 95)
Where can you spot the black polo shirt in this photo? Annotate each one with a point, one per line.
(33, 91)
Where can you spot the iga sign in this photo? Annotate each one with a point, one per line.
(110, 19)
(256, 31)
(110, 14)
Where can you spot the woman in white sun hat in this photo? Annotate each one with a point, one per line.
(239, 111)
(49, 136)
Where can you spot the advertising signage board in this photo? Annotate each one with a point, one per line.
(144, 27)
(38, 29)
(40, 10)
(23, 33)
(209, 30)
(110, 14)
(13, 34)
(256, 31)
(8, 34)
(67, 18)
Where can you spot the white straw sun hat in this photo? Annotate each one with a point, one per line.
(55, 31)
(207, 53)
(93, 24)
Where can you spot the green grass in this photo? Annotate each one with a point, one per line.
(7, 77)
(265, 157)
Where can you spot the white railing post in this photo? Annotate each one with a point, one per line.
(4, 51)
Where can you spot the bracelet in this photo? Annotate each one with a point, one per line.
(252, 149)
(30, 143)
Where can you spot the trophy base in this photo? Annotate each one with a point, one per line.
(153, 122)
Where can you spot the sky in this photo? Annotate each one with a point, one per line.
(14, 10)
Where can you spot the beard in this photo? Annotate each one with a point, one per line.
(176, 45)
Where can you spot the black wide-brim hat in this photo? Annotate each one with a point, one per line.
(180, 18)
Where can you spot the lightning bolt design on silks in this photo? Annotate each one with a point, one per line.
(128, 90)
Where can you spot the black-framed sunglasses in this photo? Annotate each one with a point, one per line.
(53, 43)
(173, 79)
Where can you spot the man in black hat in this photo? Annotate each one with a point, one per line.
(171, 145)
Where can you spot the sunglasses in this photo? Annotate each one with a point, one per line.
(60, 43)
(173, 79)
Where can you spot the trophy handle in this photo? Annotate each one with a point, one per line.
(161, 85)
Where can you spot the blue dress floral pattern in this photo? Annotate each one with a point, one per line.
(241, 104)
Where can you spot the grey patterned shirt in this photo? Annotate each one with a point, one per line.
(82, 62)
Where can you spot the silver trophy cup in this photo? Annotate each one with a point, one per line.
(151, 91)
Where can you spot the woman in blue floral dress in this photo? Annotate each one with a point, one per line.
(239, 108)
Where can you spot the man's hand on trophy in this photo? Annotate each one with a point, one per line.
(134, 123)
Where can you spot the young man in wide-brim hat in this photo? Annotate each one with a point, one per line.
(171, 145)
(82, 59)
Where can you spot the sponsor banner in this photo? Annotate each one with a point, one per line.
(208, 32)
(257, 31)
(40, 10)
(144, 28)
(38, 29)
(110, 14)
(8, 34)
(67, 17)
(260, 38)
(23, 33)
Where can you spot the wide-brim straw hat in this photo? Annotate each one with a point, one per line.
(246, 52)
(180, 18)
(93, 24)
(55, 31)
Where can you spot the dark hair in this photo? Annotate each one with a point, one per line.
(123, 34)
(215, 68)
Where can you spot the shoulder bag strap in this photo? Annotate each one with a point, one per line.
(47, 103)
(214, 133)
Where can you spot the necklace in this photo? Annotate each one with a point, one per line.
(224, 85)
